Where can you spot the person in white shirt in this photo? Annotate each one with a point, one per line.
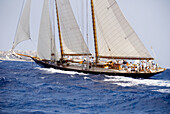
(144, 66)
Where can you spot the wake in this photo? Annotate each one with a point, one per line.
(52, 70)
(127, 81)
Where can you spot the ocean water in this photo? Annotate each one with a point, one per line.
(27, 88)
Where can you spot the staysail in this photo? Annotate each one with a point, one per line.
(23, 29)
(72, 39)
(116, 39)
(46, 42)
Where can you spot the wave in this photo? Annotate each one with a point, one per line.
(52, 70)
(3, 79)
(128, 82)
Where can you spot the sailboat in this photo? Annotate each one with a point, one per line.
(115, 42)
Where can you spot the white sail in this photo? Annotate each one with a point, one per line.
(46, 42)
(23, 29)
(115, 36)
(72, 39)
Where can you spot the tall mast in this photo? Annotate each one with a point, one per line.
(58, 22)
(94, 31)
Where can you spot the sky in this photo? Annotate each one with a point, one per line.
(150, 19)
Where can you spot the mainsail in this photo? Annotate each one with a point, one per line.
(46, 42)
(23, 29)
(72, 39)
(116, 39)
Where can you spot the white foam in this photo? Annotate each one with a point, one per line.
(52, 70)
(72, 76)
(42, 77)
(126, 81)
(82, 73)
(163, 90)
(87, 78)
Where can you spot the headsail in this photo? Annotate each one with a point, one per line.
(46, 42)
(72, 39)
(116, 38)
(23, 29)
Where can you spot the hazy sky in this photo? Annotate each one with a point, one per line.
(149, 18)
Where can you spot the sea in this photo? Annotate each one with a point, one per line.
(26, 88)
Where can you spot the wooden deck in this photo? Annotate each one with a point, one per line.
(95, 69)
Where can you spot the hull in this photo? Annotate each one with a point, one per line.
(94, 71)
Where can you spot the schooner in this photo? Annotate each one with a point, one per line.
(115, 42)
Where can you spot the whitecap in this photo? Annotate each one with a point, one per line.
(163, 90)
(72, 76)
(82, 73)
(86, 78)
(127, 81)
(42, 77)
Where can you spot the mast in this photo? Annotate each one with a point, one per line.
(94, 31)
(58, 22)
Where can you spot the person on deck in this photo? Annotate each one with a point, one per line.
(144, 66)
(137, 67)
(140, 67)
(92, 61)
(130, 64)
(153, 66)
(157, 67)
(129, 69)
(124, 65)
(84, 64)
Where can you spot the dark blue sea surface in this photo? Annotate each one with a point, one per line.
(27, 88)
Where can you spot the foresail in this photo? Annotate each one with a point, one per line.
(116, 38)
(23, 29)
(46, 42)
(72, 39)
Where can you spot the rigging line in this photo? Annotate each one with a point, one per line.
(100, 26)
(53, 17)
(127, 36)
(53, 46)
(77, 13)
(83, 30)
(111, 5)
(87, 23)
(154, 54)
(33, 44)
(87, 32)
(18, 21)
(50, 32)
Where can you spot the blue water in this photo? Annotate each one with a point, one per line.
(27, 88)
